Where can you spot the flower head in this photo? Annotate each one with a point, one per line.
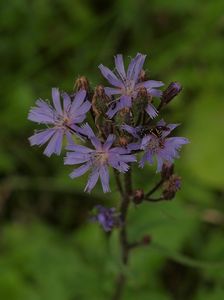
(106, 217)
(160, 146)
(127, 84)
(60, 120)
(98, 160)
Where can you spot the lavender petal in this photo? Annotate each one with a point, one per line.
(112, 91)
(109, 141)
(149, 84)
(119, 63)
(41, 137)
(56, 100)
(151, 111)
(109, 75)
(155, 93)
(92, 180)
(104, 177)
(55, 144)
(80, 171)
(66, 101)
(77, 102)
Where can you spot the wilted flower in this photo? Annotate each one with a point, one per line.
(106, 217)
(127, 85)
(60, 120)
(98, 160)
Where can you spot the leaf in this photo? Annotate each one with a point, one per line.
(204, 156)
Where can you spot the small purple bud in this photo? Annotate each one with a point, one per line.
(171, 186)
(172, 91)
(106, 217)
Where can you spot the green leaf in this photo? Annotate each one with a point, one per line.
(204, 156)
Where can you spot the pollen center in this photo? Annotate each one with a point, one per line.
(129, 88)
(100, 158)
(155, 144)
(103, 158)
(62, 121)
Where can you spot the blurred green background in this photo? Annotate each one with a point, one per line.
(48, 251)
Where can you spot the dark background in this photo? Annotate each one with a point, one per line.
(47, 249)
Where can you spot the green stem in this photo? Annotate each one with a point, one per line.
(153, 190)
(125, 201)
(118, 182)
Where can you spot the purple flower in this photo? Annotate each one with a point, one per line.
(60, 120)
(160, 146)
(98, 160)
(127, 85)
(106, 217)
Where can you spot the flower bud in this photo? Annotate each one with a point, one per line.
(108, 218)
(146, 240)
(172, 91)
(124, 116)
(143, 94)
(100, 101)
(138, 196)
(140, 103)
(171, 186)
(107, 128)
(81, 83)
(167, 170)
(143, 76)
(123, 141)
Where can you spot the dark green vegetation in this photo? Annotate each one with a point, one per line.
(47, 249)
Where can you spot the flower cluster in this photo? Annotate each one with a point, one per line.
(123, 117)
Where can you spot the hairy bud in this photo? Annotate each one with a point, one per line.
(82, 83)
(143, 95)
(143, 76)
(140, 103)
(138, 196)
(167, 170)
(123, 141)
(172, 91)
(100, 101)
(171, 186)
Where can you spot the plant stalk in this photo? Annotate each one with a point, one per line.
(125, 201)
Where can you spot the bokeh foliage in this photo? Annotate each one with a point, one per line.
(47, 249)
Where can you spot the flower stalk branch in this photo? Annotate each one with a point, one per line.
(154, 189)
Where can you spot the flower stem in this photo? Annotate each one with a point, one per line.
(125, 200)
(118, 182)
(154, 189)
(155, 199)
